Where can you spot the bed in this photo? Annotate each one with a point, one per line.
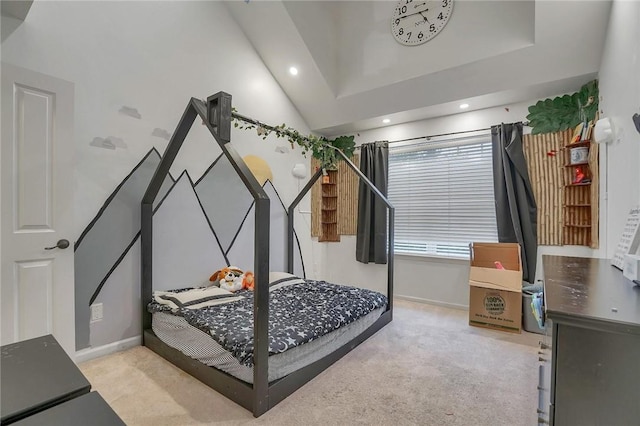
(308, 320)
(252, 366)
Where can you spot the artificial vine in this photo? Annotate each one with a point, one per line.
(320, 147)
(564, 112)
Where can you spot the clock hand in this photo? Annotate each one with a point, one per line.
(414, 13)
(411, 14)
(424, 17)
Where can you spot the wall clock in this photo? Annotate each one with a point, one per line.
(417, 21)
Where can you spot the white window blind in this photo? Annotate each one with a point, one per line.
(443, 195)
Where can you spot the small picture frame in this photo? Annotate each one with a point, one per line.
(630, 239)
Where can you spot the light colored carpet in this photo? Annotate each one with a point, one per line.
(427, 367)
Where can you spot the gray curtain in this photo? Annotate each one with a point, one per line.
(516, 210)
(371, 242)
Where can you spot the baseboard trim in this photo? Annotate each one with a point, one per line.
(433, 302)
(108, 349)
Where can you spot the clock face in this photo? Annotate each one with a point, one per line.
(417, 21)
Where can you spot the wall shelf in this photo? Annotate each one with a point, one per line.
(585, 163)
(329, 208)
(578, 184)
(578, 144)
(580, 202)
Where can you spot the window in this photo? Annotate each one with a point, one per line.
(442, 191)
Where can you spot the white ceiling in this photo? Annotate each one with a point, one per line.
(353, 73)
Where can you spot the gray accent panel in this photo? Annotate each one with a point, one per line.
(107, 238)
(185, 250)
(121, 304)
(16, 9)
(241, 253)
(225, 200)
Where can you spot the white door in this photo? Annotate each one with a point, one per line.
(36, 178)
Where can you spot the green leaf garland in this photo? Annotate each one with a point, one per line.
(564, 112)
(320, 147)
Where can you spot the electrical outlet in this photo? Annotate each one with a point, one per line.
(96, 312)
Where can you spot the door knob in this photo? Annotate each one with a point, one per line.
(61, 244)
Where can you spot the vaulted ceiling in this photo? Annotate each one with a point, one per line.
(353, 73)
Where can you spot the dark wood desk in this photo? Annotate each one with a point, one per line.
(88, 409)
(594, 313)
(35, 375)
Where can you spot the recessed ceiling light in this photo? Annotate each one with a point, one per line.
(464, 106)
(293, 71)
(386, 120)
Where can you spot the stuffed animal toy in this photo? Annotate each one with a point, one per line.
(227, 278)
(232, 279)
(247, 280)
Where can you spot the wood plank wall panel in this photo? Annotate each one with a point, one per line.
(347, 199)
(557, 224)
(547, 179)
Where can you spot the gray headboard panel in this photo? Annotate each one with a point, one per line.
(185, 249)
(241, 252)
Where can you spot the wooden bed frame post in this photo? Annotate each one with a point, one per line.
(390, 262)
(146, 243)
(261, 308)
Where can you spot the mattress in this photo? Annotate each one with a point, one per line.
(307, 320)
(176, 332)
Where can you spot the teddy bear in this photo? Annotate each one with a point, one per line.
(231, 278)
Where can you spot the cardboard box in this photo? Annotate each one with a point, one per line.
(495, 295)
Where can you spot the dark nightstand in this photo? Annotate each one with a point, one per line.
(35, 375)
(594, 312)
(88, 409)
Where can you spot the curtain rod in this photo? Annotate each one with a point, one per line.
(525, 123)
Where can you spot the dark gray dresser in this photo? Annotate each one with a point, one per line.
(594, 318)
(41, 385)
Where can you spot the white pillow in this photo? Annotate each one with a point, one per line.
(282, 279)
(195, 298)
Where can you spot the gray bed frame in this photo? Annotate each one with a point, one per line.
(217, 114)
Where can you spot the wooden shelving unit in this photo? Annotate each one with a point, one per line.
(329, 208)
(580, 203)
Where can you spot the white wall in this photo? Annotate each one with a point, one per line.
(619, 100)
(152, 56)
(445, 281)
(435, 280)
(369, 57)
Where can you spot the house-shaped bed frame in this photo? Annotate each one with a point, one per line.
(262, 395)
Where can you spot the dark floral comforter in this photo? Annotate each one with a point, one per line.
(298, 313)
